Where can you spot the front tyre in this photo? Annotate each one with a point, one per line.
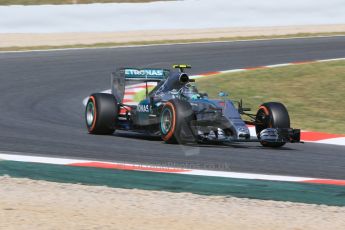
(101, 113)
(271, 115)
(175, 121)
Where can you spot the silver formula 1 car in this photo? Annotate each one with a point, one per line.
(175, 110)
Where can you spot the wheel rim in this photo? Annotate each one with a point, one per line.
(166, 121)
(262, 118)
(90, 113)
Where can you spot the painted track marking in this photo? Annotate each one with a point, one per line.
(159, 169)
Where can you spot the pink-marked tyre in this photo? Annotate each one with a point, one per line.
(175, 120)
(101, 113)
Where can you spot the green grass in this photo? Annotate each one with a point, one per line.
(313, 93)
(58, 2)
(114, 44)
(141, 95)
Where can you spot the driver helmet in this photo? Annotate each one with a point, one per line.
(190, 91)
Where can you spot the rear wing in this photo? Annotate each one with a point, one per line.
(121, 77)
(145, 74)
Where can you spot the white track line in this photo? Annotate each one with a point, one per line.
(237, 175)
(160, 169)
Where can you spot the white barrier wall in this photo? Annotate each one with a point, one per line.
(169, 15)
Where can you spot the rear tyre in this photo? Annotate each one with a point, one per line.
(272, 115)
(101, 113)
(175, 120)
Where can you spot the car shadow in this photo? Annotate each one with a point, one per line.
(138, 136)
(239, 145)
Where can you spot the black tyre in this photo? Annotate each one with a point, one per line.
(101, 113)
(272, 115)
(175, 121)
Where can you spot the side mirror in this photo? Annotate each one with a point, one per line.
(203, 94)
(223, 94)
(242, 109)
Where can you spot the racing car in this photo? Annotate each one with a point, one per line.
(177, 112)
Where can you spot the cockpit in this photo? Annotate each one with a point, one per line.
(190, 91)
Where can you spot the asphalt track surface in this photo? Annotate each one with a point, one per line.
(41, 110)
